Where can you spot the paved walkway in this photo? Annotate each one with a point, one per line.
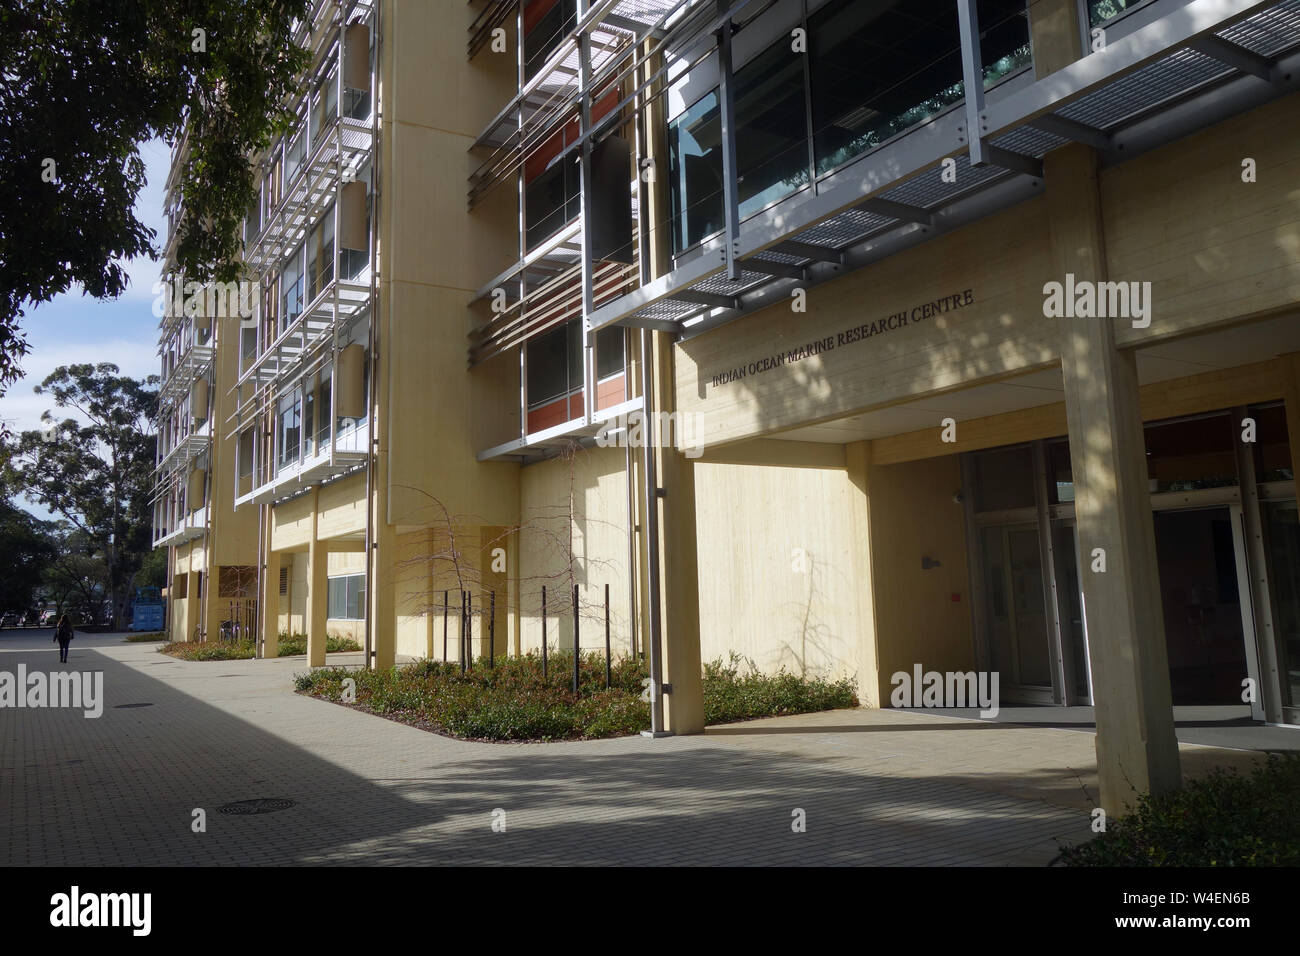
(877, 787)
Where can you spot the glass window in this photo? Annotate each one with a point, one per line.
(548, 359)
(1099, 11)
(290, 423)
(880, 68)
(294, 155)
(1004, 479)
(1192, 453)
(546, 34)
(771, 127)
(695, 172)
(326, 388)
(347, 597)
(291, 292)
(320, 255)
(551, 201)
(609, 351)
(771, 145)
(1272, 448)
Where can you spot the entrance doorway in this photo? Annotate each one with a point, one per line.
(1202, 600)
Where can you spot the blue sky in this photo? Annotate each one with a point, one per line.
(77, 328)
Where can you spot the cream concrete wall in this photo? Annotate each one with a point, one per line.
(913, 515)
(776, 567)
(595, 477)
(1214, 248)
(342, 507)
(1001, 333)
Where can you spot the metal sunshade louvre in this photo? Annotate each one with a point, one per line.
(1128, 96)
(1270, 32)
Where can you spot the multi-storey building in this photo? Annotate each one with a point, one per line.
(964, 333)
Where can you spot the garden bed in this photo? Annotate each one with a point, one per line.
(512, 701)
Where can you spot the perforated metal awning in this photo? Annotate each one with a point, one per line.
(1196, 64)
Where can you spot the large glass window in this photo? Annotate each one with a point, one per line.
(320, 255)
(771, 145)
(555, 364)
(290, 433)
(347, 597)
(609, 351)
(1099, 11)
(551, 200)
(546, 33)
(880, 68)
(291, 292)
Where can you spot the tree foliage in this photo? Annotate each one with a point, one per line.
(82, 84)
(95, 470)
(28, 547)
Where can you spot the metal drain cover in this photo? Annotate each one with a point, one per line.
(260, 805)
(123, 706)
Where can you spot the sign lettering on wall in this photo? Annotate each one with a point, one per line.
(847, 336)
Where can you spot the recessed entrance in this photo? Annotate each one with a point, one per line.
(1201, 597)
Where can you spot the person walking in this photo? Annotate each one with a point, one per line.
(63, 634)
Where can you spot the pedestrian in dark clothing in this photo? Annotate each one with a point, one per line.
(63, 634)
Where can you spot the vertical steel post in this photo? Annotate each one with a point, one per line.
(576, 650)
(461, 653)
(543, 632)
(727, 108)
(492, 630)
(607, 667)
(972, 71)
(446, 611)
(584, 193)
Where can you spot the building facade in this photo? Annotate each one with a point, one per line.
(746, 327)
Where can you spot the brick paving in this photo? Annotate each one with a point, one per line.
(877, 787)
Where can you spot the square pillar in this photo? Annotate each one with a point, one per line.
(679, 577)
(1136, 747)
(1056, 34)
(857, 461)
(317, 608)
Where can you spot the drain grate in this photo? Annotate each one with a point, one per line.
(260, 805)
(127, 706)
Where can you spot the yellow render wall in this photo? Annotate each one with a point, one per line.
(776, 567)
(913, 515)
(599, 543)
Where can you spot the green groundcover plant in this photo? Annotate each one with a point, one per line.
(290, 646)
(513, 701)
(147, 638)
(1223, 819)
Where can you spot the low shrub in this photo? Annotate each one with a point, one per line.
(210, 650)
(730, 695)
(514, 701)
(1223, 819)
(293, 645)
(146, 638)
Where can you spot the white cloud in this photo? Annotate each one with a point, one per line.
(21, 407)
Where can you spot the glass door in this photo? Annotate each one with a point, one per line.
(1282, 532)
(1016, 613)
(1074, 632)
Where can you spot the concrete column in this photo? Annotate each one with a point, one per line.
(317, 601)
(679, 576)
(270, 605)
(1055, 32)
(857, 461)
(1136, 747)
(193, 603)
